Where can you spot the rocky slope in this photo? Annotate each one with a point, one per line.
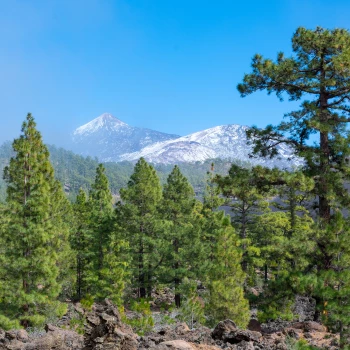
(104, 329)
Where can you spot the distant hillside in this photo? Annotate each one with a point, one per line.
(75, 171)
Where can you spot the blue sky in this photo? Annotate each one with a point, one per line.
(170, 65)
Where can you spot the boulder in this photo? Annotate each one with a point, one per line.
(183, 345)
(182, 328)
(200, 335)
(223, 328)
(304, 308)
(105, 330)
(314, 326)
(254, 325)
(244, 345)
(175, 345)
(239, 335)
(55, 338)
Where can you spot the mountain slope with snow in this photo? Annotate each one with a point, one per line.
(111, 140)
(107, 138)
(225, 142)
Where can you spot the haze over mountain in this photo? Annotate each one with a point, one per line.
(112, 140)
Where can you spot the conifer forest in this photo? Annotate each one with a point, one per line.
(244, 246)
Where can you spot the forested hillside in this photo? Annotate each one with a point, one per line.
(75, 171)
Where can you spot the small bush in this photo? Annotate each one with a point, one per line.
(144, 321)
(77, 324)
(87, 302)
(7, 324)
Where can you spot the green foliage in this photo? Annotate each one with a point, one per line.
(75, 172)
(276, 309)
(167, 320)
(87, 301)
(302, 344)
(183, 245)
(247, 200)
(138, 222)
(80, 242)
(143, 321)
(77, 324)
(317, 74)
(35, 234)
(105, 275)
(7, 324)
(192, 308)
(329, 280)
(114, 274)
(226, 278)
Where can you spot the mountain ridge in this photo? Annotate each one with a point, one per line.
(107, 138)
(112, 140)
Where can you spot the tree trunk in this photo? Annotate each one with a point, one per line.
(324, 206)
(176, 279)
(343, 339)
(149, 282)
(79, 277)
(244, 263)
(177, 294)
(142, 289)
(25, 307)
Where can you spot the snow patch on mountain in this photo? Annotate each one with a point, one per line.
(105, 120)
(225, 142)
(107, 138)
(110, 139)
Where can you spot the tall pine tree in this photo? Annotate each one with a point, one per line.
(33, 234)
(106, 262)
(183, 234)
(80, 242)
(139, 223)
(247, 200)
(226, 277)
(222, 273)
(317, 74)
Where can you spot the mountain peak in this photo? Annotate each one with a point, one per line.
(105, 121)
(108, 118)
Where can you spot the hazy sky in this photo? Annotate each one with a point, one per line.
(170, 65)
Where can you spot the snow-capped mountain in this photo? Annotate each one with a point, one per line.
(107, 138)
(225, 142)
(110, 139)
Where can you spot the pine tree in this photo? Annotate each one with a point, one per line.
(192, 308)
(247, 199)
(139, 223)
(80, 242)
(114, 274)
(318, 71)
(101, 209)
(226, 278)
(318, 74)
(62, 216)
(106, 261)
(33, 234)
(211, 202)
(180, 211)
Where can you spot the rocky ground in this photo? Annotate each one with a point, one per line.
(104, 329)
